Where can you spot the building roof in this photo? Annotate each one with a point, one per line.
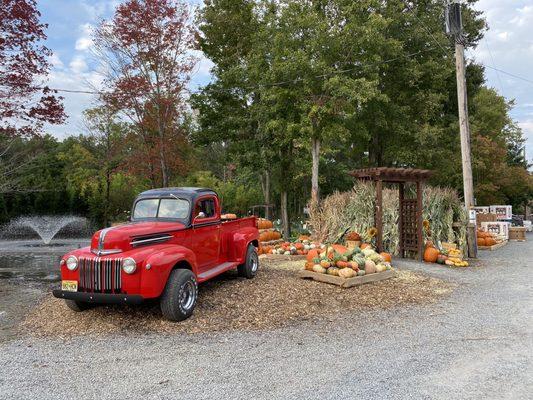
(387, 174)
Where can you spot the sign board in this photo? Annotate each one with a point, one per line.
(498, 228)
(502, 212)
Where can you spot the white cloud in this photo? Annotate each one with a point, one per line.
(55, 61)
(527, 128)
(503, 36)
(78, 64)
(85, 41)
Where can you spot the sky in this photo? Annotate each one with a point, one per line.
(507, 46)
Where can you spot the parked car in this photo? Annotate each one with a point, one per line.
(175, 240)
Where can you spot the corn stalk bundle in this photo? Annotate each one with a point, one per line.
(340, 213)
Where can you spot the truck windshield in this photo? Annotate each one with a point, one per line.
(161, 208)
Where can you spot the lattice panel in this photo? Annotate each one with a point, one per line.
(409, 235)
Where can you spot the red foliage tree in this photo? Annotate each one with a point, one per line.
(24, 105)
(145, 51)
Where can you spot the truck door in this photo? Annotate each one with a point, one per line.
(206, 232)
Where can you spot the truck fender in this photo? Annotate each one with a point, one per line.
(162, 262)
(241, 239)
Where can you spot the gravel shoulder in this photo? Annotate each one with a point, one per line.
(475, 343)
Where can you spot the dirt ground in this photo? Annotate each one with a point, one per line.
(276, 297)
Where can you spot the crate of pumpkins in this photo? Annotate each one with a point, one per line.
(298, 249)
(345, 267)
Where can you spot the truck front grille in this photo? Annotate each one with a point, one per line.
(100, 275)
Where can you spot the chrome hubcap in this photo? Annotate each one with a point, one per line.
(187, 295)
(255, 262)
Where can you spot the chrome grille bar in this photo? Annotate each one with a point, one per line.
(100, 275)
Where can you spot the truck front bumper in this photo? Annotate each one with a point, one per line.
(103, 298)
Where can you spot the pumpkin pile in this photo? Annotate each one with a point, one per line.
(451, 257)
(488, 238)
(267, 233)
(300, 247)
(340, 261)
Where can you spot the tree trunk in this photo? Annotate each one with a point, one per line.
(107, 196)
(265, 185)
(285, 216)
(315, 153)
(164, 172)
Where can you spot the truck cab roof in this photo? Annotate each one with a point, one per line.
(190, 193)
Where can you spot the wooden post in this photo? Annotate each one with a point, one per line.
(419, 206)
(468, 185)
(379, 214)
(400, 219)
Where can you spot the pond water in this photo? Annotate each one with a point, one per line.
(28, 270)
(32, 261)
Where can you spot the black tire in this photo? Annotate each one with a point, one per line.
(180, 295)
(251, 265)
(78, 306)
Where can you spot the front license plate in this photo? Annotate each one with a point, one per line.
(69, 286)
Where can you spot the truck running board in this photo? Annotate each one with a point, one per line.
(212, 272)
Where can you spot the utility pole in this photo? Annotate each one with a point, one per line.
(454, 27)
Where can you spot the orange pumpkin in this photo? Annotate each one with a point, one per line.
(481, 241)
(365, 245)
(386, 256)
(313, 253)
(299, 246)
(490, 241)
(339, 248)
(342, 264)
(431, 254)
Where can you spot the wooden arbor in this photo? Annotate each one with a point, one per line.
(410, 221)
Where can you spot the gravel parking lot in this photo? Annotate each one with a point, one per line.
(476, 343)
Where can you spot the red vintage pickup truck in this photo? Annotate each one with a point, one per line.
(176, 239)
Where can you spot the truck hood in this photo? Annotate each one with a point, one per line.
(121, 238)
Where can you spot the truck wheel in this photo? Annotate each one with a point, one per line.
(180, 295)
(250, 266)
(78, 306)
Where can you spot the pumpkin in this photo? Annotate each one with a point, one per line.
(367, 252)
(342, 264)
(333, 271)
(228, 216)
(319, 269)
(431, 254)
(299, 246)
(353, 265)
(365, 245)
(490, 241)
(360, 260)
(339, 248)
(361, 272)
(346, 273)
(481, 241)
(309, 266)
(325, 264)
(370, 267)
(312, 254)
(264, 223)
(381, 267)
(386, 256)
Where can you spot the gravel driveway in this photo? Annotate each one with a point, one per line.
(475, 344)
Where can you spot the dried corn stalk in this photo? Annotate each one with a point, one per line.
(354, 211)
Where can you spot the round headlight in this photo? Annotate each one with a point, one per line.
(129, 265)
(72, 263)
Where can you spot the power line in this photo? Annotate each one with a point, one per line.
(510, 74)
(494, 64)
(296, 80)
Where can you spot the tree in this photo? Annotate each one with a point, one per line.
(24, 105)
(145, 51)
(108, 136)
